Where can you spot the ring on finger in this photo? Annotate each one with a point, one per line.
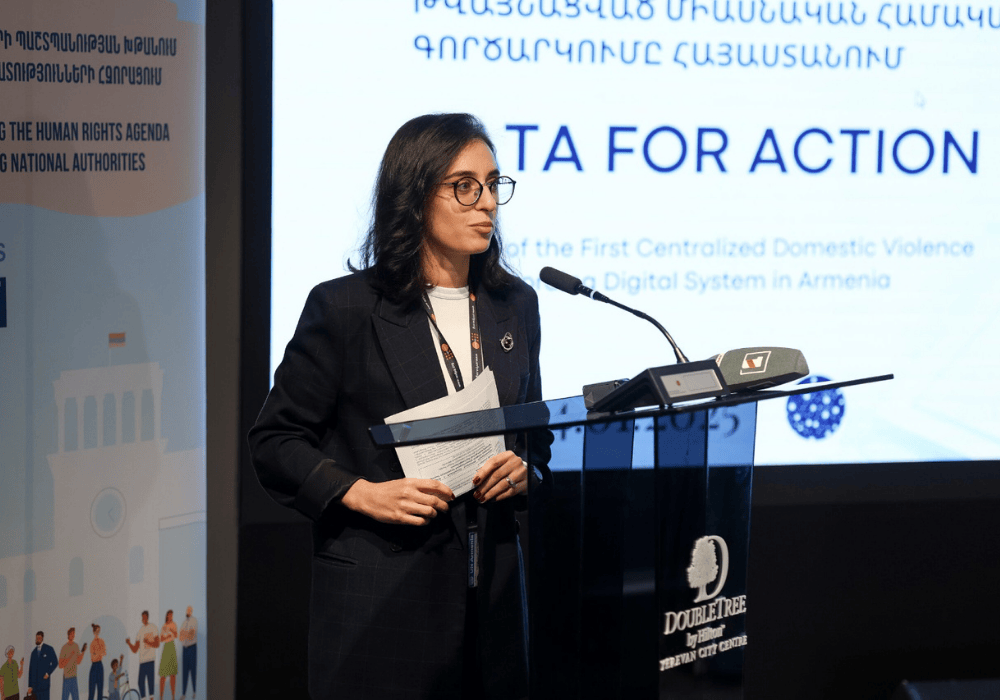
(512, 483)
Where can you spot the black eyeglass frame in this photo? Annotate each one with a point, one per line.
(479, 192)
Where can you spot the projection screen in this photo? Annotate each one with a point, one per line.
(820, 176)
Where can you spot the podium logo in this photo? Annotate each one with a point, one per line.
(706, 568)
(755, 362)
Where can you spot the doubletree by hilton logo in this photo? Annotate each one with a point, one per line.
(702, 625)
(706, 568)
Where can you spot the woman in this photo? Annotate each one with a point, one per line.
(393, 614)
(168, 657)
(10, 672)
(95, 683)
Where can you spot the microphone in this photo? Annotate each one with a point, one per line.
(734, 371)
(562, 281)
(572, 285)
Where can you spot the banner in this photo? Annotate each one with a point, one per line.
(102, 409)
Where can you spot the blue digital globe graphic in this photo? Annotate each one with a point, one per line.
(816, 415)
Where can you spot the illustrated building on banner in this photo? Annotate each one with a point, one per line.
(118, 497)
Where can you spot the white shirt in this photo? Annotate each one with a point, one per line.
(190, 625)
(146, 652)
(451, 309)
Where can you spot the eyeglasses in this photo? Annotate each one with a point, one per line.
(469, 189)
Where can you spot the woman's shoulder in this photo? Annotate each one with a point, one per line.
(517, 293)
(342, 296)
(354, 286)
(523, 290)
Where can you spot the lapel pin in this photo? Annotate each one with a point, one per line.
(507, 342)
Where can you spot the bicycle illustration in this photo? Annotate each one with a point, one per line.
(125, 691)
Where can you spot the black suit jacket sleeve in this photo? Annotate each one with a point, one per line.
(300, 411)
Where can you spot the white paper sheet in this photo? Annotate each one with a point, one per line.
(455, 463)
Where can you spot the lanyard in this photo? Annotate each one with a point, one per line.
(456, 377)
(449, 357)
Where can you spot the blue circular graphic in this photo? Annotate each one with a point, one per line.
(816, 415)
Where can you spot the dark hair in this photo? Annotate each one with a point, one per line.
(167, 616)
(415, 162)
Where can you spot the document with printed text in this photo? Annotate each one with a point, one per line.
(455, 463)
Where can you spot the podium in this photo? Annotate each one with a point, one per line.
(638, 537)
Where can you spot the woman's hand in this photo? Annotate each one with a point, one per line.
(400, 501)
(502, 476)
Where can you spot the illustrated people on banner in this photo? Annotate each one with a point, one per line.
(70, 657)
(97, 652)
(41, 664)
(168, 657)
(147, 639)
(115, 677)
(189, 643)
(10, 672)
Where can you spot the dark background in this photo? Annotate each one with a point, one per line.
(860, 575)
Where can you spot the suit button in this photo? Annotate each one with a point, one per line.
(395, 547)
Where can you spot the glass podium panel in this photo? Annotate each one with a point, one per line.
(637, 542)
(564, 414)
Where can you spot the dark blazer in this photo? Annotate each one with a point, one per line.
(40, 663)
(388, 603)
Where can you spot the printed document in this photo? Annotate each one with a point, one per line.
(454, 463)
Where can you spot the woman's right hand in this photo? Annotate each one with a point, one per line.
(400, 501)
